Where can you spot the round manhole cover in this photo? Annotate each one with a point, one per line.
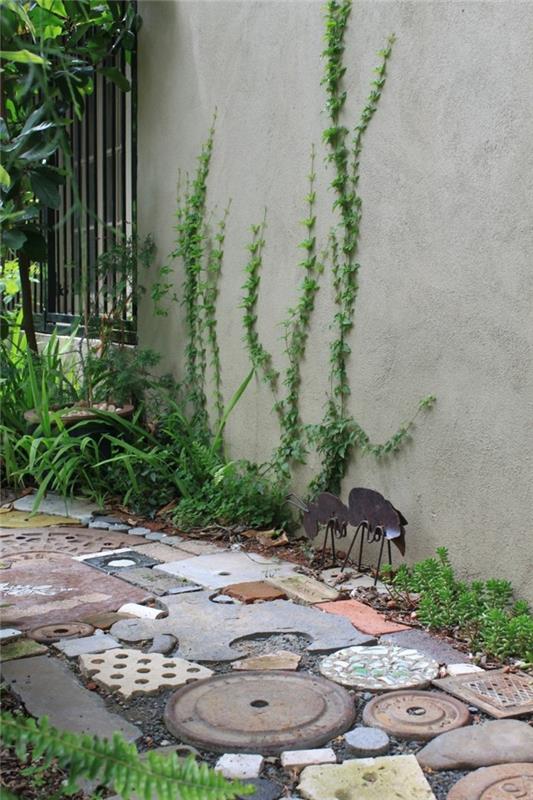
(266, 712)
(380, 668)
(415, 715)
(502, 782)
(48, 634)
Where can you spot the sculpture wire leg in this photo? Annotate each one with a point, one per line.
(334, 556)
(363, 528)
(357, 531)
(389, 550)
(324, 546)
(379, 559)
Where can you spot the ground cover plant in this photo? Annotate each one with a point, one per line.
(482, 613)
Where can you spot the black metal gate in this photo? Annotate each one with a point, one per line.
(104, 165)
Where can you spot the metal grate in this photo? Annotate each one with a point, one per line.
(500, 694)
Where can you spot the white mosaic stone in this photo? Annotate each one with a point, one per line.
(462, 669)
(380, 668)
(239, 766)
(141, 612)
(72, 648)
(216, 571)
(132, 672)
(296, 760)
(101, 553)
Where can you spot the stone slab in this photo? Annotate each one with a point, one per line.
(462, 669)
(296, 760)
(383, 778)
(304, 589)
(227, 567)
(72, 541)
(22, 648)
(193, 546)
(54, 504)
(363, 617)
(139, 531)
(24, 520)
(492, 783)
(157, 583)
(110, 522)
(72, 648)
(280, 659)
(141, 612)
(132, 672)
(164, 643)
(431, 646)
(192, 619)
(9, 635)
(47, 686)
(162, 552)
(253, 591)
(47, 588)
(106, 619)
(240, 766)
(367, 742)
(500, 741)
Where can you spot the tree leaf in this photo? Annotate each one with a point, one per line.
(35, 245)
(22, 57)
(55, 6)
(13, 239)
(117, 77)
(45, 189)
(5, 179)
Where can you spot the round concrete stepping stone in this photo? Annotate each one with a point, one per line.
(367, 742)
(262, 712)
(48, 634)
(502, 782)
(380, 668)
(409, 714)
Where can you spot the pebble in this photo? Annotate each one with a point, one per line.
(363, 741)
(239, 766)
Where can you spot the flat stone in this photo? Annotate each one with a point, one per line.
(500, 741)
(264, 790)
(383, 778)
(224, 568)
(350, 580)
(380, 668)
(106, 619)
(254, 591)
(66, 702)
(162, 552)
(72, 648)
(140, 611)
(493, 783)
(140, 531)
(431, 646)
(109, 522)
(132, 672)
(462, 669)
(192, 619)
(362, 617)
(156, 583)
(54, 504)
(163, 644)
(194, 546)
(9, 635)
(303, 589)
(154, 536)
(367, 742)
(296, 760)
(239, 766)
(281, 659)
(22, 648)
(72, 541)
(24, 520)
(47, 588)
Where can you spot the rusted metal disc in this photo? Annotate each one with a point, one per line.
(409, 714)
(265, 712)
(502, 782)
(47, 634)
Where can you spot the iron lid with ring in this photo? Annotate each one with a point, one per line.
(501, 782)
(415, 715)
(48, 634)
(265, 712)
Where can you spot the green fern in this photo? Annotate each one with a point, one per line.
(116, 763)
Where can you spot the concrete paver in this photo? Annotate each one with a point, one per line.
(72, 648)
(239, 766)
(303, 589)
(221, 569)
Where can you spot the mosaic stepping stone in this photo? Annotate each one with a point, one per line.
(132, 672)
(380, 668)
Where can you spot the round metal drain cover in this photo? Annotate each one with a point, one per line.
(48, 634)
(267, 712)
(415, 715)
(501, 782)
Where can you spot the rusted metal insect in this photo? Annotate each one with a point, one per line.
(374, 518)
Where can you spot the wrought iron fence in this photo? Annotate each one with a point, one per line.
(97, 210)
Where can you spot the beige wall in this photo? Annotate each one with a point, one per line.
(445, 282)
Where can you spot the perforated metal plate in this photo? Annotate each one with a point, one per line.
(47, 634)
(415, 715)
(70, 541)
(503, 782)
(264, 712)
(115, 563)
(501, 694)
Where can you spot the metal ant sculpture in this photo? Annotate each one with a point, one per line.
(373, 517)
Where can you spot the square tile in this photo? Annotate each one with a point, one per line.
(227, 567)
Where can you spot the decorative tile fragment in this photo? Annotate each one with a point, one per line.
(72, 648)
(253, 591)
(132, 672)
(239, 766)
(216, 571)
(280, 659)
(305, 590)
(157, 583)
(22, 648)
(383, 778)
(499, 693)
(296, 760)
(380, 668)
(363, 617)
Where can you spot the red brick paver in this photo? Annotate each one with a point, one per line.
(362, 617)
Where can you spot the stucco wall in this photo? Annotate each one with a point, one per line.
(445, 282)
